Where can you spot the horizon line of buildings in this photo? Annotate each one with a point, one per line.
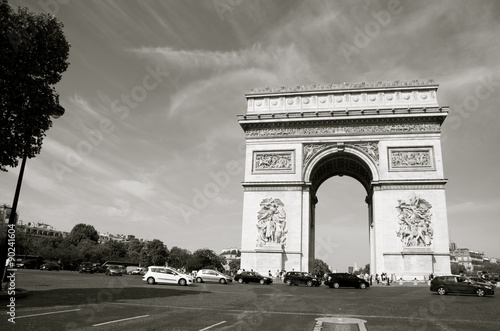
(466, 257)
(44, 229)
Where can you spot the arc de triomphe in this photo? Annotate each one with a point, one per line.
(386, 135)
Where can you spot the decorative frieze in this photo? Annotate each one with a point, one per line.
(414, 225)
(274, 161)
(411, 158)
(340, 129)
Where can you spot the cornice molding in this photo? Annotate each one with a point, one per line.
(429, 83)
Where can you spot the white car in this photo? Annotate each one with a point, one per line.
(209, 275)
(166, 275)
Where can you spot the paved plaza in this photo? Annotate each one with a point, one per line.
(71, 301)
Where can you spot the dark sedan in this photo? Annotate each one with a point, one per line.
(252, 277)
(458, 284)
(297, 277)
(336, 280)
(50, 266)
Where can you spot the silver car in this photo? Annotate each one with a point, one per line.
(209, 275)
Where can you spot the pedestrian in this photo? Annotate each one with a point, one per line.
(376, 278)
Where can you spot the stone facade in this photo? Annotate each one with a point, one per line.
(385, 135)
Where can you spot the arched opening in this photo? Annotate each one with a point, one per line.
(341, 227)
(341, 208)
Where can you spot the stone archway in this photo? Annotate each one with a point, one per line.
(340, 160)
(385, 135)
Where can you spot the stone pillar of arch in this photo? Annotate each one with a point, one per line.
(386, 135)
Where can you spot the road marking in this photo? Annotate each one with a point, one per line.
(339, 321)
(211, 326)
(49, 313)
(296, 313)
(123, 319)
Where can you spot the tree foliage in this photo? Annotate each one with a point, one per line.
(206, 259)
(320, 268)
(83, 231)
(234, 266)
(154, 253)
(179, 257)
(33, 56)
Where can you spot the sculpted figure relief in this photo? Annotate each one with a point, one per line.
(271, 223)
(273, 161)
(409, 159)
(415, 228)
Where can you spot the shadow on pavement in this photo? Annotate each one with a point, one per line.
(68, 297)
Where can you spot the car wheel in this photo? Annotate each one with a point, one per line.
(240, 280)
(336, 285)
(310, 283)
(441, 290)
(362, 286)
(317, 285)
(289, 282)
(199, 280)
(222, 281)
(182, 282)
(262, 282)
(480, 292)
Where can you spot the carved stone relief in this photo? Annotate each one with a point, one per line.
(273, 161)
(271, 223)
(414, 226)
(369, 148)
(419, 158)
(328, 130)
(310, 150)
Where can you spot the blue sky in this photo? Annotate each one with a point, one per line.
(154, 87)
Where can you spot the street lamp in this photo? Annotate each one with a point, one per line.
(56, 113)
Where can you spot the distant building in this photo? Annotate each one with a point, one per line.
(41, 229)
(5, 213)
(231, 254)
(104, 237)
(469, 259)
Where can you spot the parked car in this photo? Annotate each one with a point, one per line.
(209, 275)
(50, 266)
(336, 280)
(87, 267)
(252, 277)
(114, 270)
(166, 275)
(459, 284)
(137, 271)
(27, 264)
(484, 281)
(298, 277)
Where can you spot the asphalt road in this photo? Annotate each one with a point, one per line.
(71, 301)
